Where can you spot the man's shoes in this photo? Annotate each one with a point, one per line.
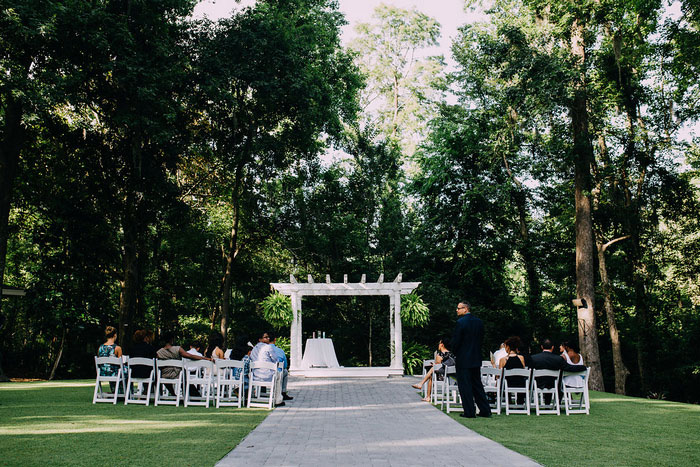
(463, 415)
(281, 404)
(484, 414)
(286, 397)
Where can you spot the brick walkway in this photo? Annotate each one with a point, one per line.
(367, 421)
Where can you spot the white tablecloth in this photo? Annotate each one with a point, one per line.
(319, 353)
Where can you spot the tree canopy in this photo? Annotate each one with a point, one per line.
(158, 171)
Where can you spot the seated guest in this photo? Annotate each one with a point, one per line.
(281, 357)
(175, 352)
(141, 349)
(443, 356)
(570, 353)
(263, 352)
(214, 349)
(109, 349)
(195, 348)
(242, 352)
(513, 360)
(548, 360)
(498, 355)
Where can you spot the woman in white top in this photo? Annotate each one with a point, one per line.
(214, 351)
(570, 353)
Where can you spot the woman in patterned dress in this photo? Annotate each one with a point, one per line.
(109, 349)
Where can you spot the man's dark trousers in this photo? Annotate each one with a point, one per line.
(471, 390)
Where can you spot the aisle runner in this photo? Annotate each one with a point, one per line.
(365, 421)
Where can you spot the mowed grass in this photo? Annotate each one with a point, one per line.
(55, 423)
(619, 431)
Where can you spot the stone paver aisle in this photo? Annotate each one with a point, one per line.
(365, 421)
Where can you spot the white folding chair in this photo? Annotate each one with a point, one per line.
(511, 392)
(437, 391)
(162, 395)
(199, 374)
(139, 397)
(256, 385)
(540, 379)
(582, 403)
(427, 365)
(451, 396)
(492, 379)
(117, 380)
(229, 389)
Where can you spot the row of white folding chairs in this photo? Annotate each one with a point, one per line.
(574, 399)
(215, 380)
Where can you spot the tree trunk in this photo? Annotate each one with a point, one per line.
(231, 253)
(370, 337)
(130, 263)
(632, 223)
(396, 106)
(533, 280)
(585, 271)
(58, 357)
(10, 148)
(621, 371)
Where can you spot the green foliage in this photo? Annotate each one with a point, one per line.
(413, 356)
(277, 310)
(285, 344)
(414, 311)
(165, 167)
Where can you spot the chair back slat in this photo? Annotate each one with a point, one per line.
(138, 361)
(109, 360)
(193, 364)
(222, 364)
(173, 363)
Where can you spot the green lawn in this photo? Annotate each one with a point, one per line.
(619, 431)
(56, 423)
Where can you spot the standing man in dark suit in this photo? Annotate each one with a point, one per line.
(466, 345)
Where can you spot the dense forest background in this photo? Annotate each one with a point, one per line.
(158, 171)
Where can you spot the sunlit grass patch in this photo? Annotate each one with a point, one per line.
(56, 423)
(619, 431)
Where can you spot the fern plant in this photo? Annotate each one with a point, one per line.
(277, 310)
(413, 356)
(414, 311)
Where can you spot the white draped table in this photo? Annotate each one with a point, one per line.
(319, 353)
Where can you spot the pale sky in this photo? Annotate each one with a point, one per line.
(449, 13)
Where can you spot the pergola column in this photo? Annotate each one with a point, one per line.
(295, 337)
(392, 344)
(398, 339)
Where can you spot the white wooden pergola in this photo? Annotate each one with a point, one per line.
(296, 290)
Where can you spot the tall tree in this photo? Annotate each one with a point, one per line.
(400, 82)
(272, 79)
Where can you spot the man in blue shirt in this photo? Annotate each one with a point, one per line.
(282, 358)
